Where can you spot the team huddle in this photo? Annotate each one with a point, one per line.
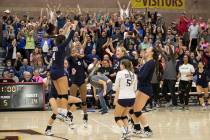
(132, 91)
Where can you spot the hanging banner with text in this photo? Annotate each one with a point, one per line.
(160, 4)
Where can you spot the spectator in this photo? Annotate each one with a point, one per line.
(124, 11)
(12, 76)
(21, 43)
(100, 42)
(89, 45)
(91, 57)
(46, 43)
(48, 59)
(9, 67)
(107, 70)
(183, 24)
(35, 56)
(30, 42)
(27, 77)
(37, 77)
(169, 74)
(145, 44)
(6, 75)
(42, 69)
(194, 32)
(25, 67)
(18, 61)
(117, 37)
(102, 85)
(186, 72)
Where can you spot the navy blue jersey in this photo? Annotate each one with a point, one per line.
(59, 53)
(79, 65)
(145, 76)
(202, 77)
(146, 72)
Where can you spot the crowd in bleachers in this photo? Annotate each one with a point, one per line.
(29, 43)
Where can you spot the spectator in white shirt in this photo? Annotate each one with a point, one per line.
(186, 72)
(194, 32)
(124, 12)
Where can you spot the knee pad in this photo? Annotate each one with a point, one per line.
(64, 96)
(117, 119)
(71, 104)
(60, 96)
(138, 114)
(84, 103)
(124, 118)
(53, 116)
(131, 112)
(76, 104)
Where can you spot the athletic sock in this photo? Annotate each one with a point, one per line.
(123, 130)
(137, 126)
(64, 112)
(49, 127)
(126, 129)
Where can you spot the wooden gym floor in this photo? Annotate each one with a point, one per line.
(166, 124)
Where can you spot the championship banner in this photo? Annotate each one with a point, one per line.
(160, 4)
(21, 96)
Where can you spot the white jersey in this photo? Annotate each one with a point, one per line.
(126, 84)
(185, 70)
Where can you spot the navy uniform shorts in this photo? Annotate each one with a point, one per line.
(202, 84)
(126, 102)
(57, 73)
(146, 89)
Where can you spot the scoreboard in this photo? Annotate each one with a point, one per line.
(21, 96)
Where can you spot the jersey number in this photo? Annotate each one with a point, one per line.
(128, 82)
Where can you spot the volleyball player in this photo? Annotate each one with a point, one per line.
(202, 84)
(55, 102)
(58, 76)
(55, 106)
(78, 77)
(125, 87)
(186, 72)
(144, 93)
